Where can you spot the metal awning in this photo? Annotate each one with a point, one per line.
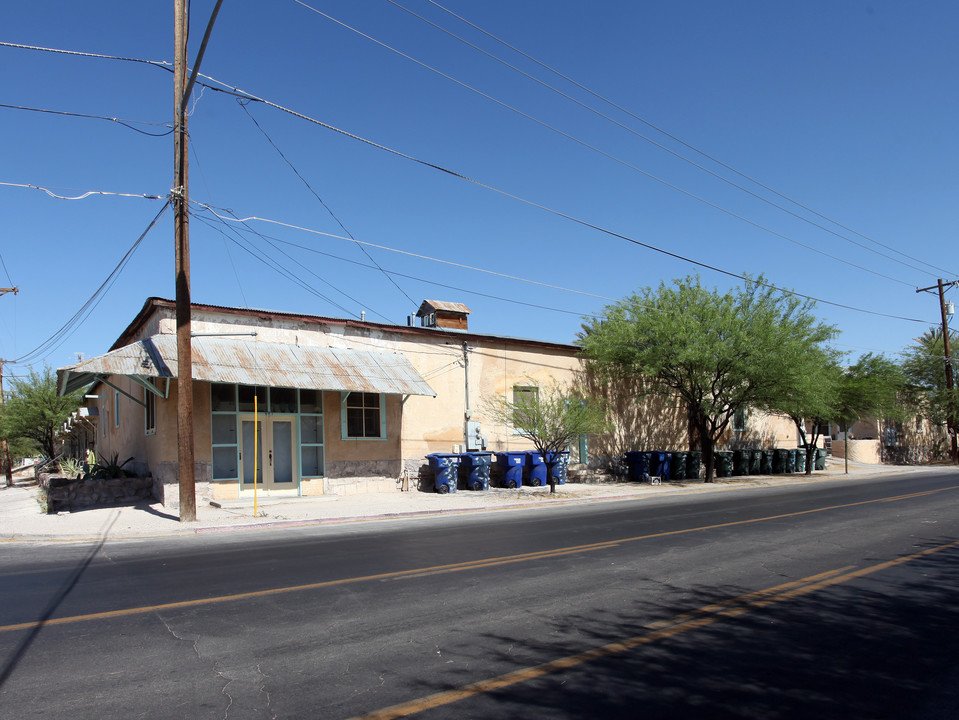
(250, 362)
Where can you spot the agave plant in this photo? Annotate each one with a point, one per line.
(109, 469)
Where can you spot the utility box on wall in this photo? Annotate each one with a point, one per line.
(474, 436)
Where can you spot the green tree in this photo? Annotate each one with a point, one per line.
(717, 352)
(924, 365)
(812, 401)
(551, 418)
(35, 411)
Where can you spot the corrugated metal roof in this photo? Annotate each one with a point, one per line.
(248, 362)
(429, 306)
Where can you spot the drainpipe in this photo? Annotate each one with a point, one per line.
(466, 374)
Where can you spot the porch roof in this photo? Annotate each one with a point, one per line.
(249, 362)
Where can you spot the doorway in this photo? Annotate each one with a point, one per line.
(276, 468)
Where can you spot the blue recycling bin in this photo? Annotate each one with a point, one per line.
(637, 463)
(561, 466)
(511, 464)
(536, 469)
(659, 464)
(478, 464)
(445, 470)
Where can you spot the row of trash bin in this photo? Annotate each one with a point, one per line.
(727, 463)
(516, 469)
(767, 462)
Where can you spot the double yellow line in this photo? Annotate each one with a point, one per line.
(660, 630)
(438, 569)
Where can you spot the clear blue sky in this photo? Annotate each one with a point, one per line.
(849, 108)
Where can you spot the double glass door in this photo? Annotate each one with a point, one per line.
(275, 456)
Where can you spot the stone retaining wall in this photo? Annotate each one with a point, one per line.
(68, 494)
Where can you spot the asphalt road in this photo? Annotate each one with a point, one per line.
(835, 599)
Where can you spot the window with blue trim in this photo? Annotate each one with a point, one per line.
(362, 416)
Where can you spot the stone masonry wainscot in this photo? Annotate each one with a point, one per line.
(68, 494)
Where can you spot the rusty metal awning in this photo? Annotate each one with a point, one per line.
(250, 362)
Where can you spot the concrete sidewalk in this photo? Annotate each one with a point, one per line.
(22, 518)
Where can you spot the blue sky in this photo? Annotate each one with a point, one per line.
(849, 108)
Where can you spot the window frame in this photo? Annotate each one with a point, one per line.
(739, 420)
(344, 411)
(149, 411)
(533, 391)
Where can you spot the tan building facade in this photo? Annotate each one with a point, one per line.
(288, 404)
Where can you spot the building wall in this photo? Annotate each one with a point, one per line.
(466, 371)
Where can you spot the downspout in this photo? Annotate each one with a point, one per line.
(466, 375)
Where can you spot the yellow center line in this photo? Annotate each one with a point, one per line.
(439, 569)
(661, 630)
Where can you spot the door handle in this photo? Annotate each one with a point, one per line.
(271, 458)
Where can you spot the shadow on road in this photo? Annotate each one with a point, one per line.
(11, 663)
(881, 646)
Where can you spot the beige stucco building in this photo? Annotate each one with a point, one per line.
(338, 406)
(341, 405)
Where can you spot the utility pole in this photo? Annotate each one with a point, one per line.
(181, 208)
(5, 446)
(951, 420)
(182, 87)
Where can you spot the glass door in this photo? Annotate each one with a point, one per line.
(275, 458)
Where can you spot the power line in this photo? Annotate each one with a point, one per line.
(49, 345)
(126, 123)
(622, 109)
(84, 195)
(6, 272)
(620, 236)
(156, 63)
(309, 187)
(605, 154)
(279, 268)
(659, 145)
(401, 252)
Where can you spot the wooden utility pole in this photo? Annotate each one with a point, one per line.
(181, 208)
(182, 87)
(951, 420)
(5, 446)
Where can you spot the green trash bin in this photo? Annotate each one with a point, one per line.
(740, 462)
(694, 461)
(821, 458)
(755, 462)
(723, 463)
(789, 466)
(677, 465)
(801, 460)
(765, 462)
(780, 458)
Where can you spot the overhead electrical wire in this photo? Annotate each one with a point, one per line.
(614, 158)
(660, 130)
(659, 145)
(278, 267)
(243, 104)
(620, 236)
(403, 275)
(156, 63)
(5, 271)
(83, 196)
(393, 250)
(237, 92)
(126, 123)
(52, 343)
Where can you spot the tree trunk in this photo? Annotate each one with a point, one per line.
(709, 461)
